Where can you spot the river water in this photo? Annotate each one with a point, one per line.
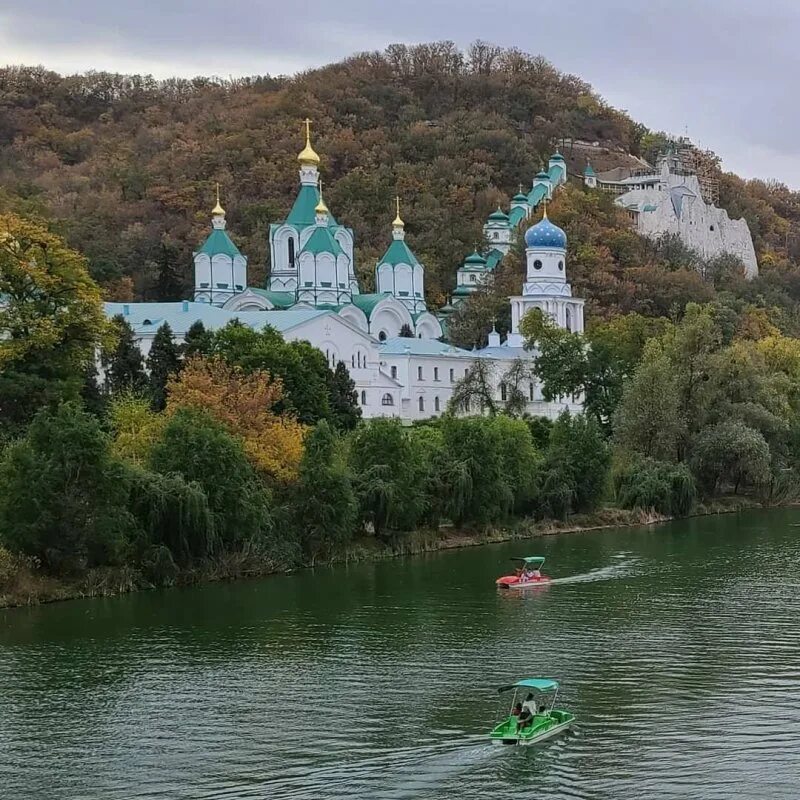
(677, 647)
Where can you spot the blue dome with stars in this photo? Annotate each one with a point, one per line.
(545, 234)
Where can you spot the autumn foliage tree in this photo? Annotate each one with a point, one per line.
(245, 404)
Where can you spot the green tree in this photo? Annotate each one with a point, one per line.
(197, 341)
(345, 411)
(169, 285)
(163, 362)
(63, 497)
(648, 420)
(124, 365)
(324, 506)
(51, 322)
(406, 332)
(648, 484)
(198, 448)
(576, 466)
(171, 513)
(301, 367)
(730, 453)
(386, 476)
(475, 391)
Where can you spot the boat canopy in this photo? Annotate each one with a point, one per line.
(531, 561)
(537, 684)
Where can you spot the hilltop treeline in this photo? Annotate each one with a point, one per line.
(124, 166)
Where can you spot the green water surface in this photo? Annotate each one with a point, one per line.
(677, 646)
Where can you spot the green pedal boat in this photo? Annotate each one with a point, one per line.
(532, 716)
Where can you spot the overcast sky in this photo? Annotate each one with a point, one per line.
(721, 70)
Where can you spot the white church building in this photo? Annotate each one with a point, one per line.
(313, 294)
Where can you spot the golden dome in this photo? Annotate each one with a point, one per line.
(321, 207)
(218, 209)
(398, 223)
(307, 157)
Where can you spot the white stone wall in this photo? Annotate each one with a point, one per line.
(705, 228)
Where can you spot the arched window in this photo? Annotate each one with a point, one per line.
(363, 398)
(435, 403)
(419, 374)
(537, 264)
(421, 403)
(569, 319)
(290, 245)
(495, 235)
(394, 372)
(382, 336)
(387, 400)
(530, 391)
(353, 361)
(472, 279)
(503, 392)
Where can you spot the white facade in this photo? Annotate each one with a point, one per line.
(667, 202)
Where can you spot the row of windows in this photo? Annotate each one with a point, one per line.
(421, 374)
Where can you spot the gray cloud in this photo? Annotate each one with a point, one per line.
(721, 69)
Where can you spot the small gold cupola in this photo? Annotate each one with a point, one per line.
(307, 156)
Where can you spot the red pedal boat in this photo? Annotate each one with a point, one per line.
(527, 574)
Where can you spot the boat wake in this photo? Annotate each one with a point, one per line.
(625, 566)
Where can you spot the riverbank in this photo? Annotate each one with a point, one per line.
(22, 583)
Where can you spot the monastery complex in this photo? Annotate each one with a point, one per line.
(313, 294)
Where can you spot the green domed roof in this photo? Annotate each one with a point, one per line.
(520, 197)
(542, 176)
(498, 216)
(475, 260)
(556, 156)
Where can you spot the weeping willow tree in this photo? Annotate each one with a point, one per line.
(173, 513)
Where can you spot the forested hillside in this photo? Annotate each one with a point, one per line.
(124, 166)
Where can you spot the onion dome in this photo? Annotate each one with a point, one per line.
(398, 223)
(556, 156)
(307, 156)
(545, 234)
(218, 210)
(498, 216)
(589, 170)
(520, 197)
(542, 176)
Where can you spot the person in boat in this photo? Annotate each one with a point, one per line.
(534, 573)
(530, 703)
(542, 711)
(525, 718)
(526, 575)
(517, 710)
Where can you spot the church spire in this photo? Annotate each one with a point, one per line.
(218, 214)
(398, 225)
(308, 156)
(321, 211)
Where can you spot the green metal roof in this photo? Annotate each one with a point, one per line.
(537, 194)
(367, 302)
(322, 241)
(556, 171)
(303, 213)
(475, 259)
(531, 561)
(520, 197)
(278, 299)
(556, 156)
(219, 243)
(498, 216)
(493, 258)
(589, 170)
(517, 214)
(399, 252)
(542, 176)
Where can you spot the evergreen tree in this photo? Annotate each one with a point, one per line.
(169, 285)
(198, 341)
(406, 332)
(92, 396)
(163, 361)
(345, 411)
(124, 364)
